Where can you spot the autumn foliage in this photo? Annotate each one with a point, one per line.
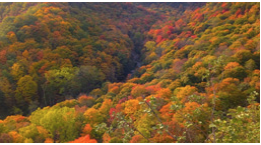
(130, 72)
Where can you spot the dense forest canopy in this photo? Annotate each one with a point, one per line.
(129, 72)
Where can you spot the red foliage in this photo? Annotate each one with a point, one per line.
(194, 36)
(39, 55)
(122, 100)
(224, 4)
(159, 39)
(102, 37)
(113, 111)
(42, 70)
(158, 31)
(238, 12)
(136, 139)
(3, 57)
(130, 97)
(153, 89)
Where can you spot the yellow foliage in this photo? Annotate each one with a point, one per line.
(17, 71)
(93, 116)
(131, 106)
(28, 140)
(106, 105)
(185, 92)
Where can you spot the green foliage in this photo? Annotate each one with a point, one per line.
(59, 79)
(89, 77)
(61, 130)
(242, 125)
(116, 140)
(26, 90)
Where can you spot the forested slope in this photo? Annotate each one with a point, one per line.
(130, 72)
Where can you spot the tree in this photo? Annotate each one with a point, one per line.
(26, 91)
(58, 84)
(6, 88)
(86, 100)
(229, 95)
(86, 130)
(36, 133)
(17, 71)
(131, 107)
(89, 77)
(93, 116)
(233, 69)
(242, 125)
(3, 58)
(61, 130)
(184, 92)
(84, 139)
(105, 108)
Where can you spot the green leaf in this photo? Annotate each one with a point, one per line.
(212, 125)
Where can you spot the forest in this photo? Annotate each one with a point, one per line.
(130, 72)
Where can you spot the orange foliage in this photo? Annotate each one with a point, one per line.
(231, 65)
(16, 118)
(190, 107)
(42, 131)
(105, 107)
(164, 93)
(106, 138)
(84, 139)
(11, 36)
(114, 87)
(163, 138)
(48, 140)
(253, 105)
(153, 89)
(86, 130)
(224, 5)
(227, 82)
(84, 97)
(17, 138)
(138, 90)
(197, 65)
(85, 100)
(136, 139)
(114, 90)
(165, 112)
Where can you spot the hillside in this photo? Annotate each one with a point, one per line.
(130, 72)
